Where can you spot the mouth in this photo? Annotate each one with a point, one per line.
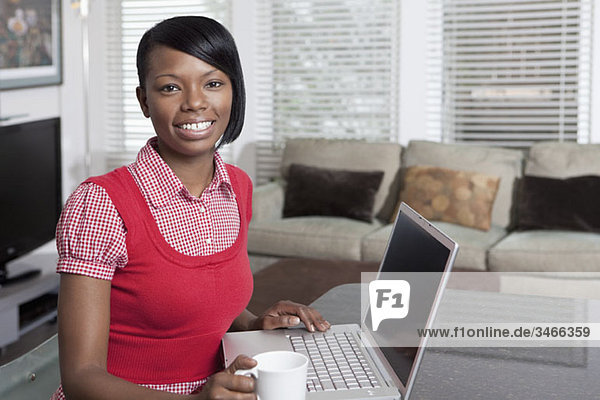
(196, 126)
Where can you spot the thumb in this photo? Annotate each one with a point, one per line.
(283, 321)
(240, 362)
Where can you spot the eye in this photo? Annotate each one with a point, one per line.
(214, 84)
(169, 88)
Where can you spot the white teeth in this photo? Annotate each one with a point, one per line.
(197, 126)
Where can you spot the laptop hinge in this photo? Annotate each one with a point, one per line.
(370, 349)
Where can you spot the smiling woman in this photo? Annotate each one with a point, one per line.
(148, 251)
(189, 102)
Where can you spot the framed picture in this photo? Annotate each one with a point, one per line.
(30, 51)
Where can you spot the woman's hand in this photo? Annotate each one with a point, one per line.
(226, 385)
(284, 314)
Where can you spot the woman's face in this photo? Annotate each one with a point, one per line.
(189, 102)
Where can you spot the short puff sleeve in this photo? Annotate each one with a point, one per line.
(90, 235)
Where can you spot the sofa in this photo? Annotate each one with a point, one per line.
(504, 246)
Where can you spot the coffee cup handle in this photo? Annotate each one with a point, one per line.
(252, 373)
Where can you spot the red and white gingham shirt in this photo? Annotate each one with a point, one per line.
(90, 234)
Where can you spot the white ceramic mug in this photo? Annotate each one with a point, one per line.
(279, 375)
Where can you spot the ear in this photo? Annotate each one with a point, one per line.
(142, 99)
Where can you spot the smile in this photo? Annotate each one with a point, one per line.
(198, 126)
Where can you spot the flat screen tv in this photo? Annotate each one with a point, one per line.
(30, 188)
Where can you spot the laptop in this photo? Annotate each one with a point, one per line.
(364, 369)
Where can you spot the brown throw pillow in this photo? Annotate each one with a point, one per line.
(564, 204)
(331, 192)
(459, 197)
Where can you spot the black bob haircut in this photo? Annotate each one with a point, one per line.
(211, 42)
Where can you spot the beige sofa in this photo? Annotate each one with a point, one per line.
(498, 249)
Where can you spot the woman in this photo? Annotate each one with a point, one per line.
(153, 259)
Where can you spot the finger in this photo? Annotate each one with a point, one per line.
(317, 320)
(282, 321)
(308, 317)
(224, 385)
(281, 312)
(241, 362)
(312, 319)
(320, 323)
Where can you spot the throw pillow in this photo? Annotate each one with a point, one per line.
(567, 204)
(331, 192)
(459, 197)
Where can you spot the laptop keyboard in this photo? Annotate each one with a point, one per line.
(336, 362)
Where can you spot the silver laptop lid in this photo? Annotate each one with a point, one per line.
(414, 246)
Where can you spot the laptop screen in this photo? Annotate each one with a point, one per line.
(415, 246)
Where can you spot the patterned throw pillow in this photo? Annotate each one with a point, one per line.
(459, 197)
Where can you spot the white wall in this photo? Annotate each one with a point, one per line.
(71, 101)
(413, 69)
(244, 32)
(64, 101)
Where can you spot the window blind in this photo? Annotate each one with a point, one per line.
(326, 68)
(127, 20)
(510, 72)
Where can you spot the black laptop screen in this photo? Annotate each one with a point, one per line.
(412, 249)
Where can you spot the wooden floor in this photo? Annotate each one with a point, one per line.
(28, 342)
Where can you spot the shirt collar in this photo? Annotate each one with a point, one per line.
(160, 182)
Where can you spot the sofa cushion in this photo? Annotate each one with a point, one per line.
(564, 204)
(331, 192)
(442, 194)
(563, 159)
(507, 164)
(546, 251)
(473, 244)
(352, 155)
(267, 201)
(309, 237)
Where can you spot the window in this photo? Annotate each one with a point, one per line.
(127, 20)
(510, 71)
(326, 68)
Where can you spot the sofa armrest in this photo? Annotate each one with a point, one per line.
(267, 201)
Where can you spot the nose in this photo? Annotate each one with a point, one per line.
(195, 99)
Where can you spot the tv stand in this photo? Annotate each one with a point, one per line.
(20, 278)
(20, 308)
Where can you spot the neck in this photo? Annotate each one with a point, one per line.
(196, 173)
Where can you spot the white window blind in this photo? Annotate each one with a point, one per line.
(127, 20)
(326, 68)
(509, 72)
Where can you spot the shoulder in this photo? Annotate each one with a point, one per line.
(96, 192)
(88, 195)
(238, 175)
(89, 203)
(90, 234)
(242, 185)
(117, 177)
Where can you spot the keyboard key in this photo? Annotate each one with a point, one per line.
(365, 384)
(340, 385)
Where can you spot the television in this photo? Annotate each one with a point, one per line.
(30, 189)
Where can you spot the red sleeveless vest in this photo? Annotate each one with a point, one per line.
(169, 311)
